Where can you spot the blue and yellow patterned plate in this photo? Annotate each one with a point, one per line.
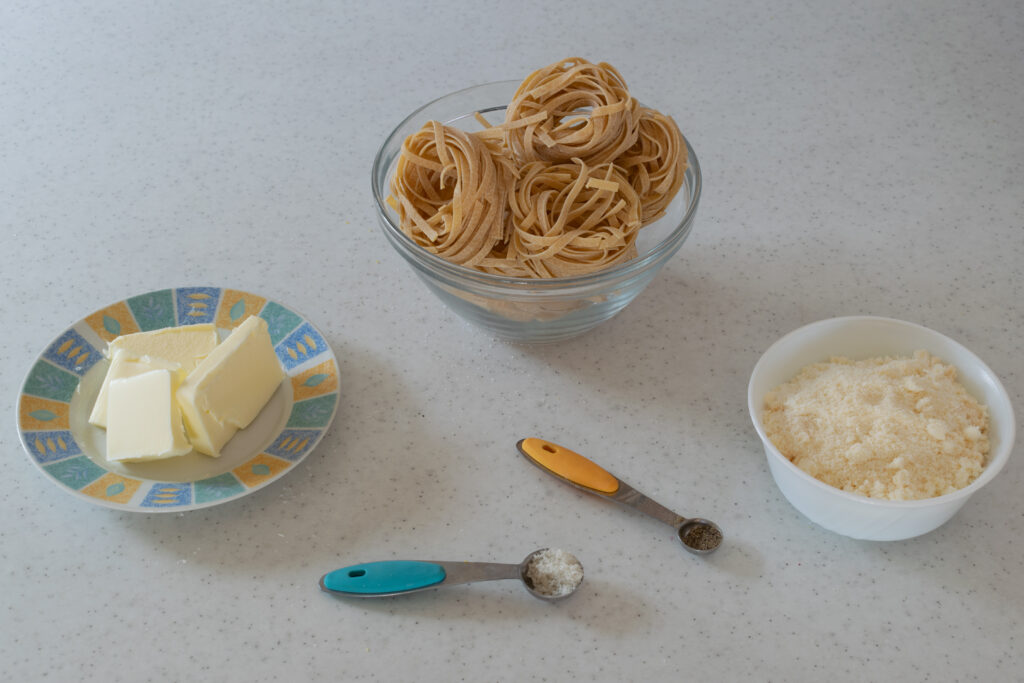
(61, 387)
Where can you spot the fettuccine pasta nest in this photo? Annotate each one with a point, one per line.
(656, 163)
(571, 110)
(568, 219)
(560, 188)
(450, 193)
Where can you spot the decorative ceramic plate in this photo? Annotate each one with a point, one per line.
(59, 392)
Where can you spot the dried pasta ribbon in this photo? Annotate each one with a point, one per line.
(449, 190)
(570, 219)
(503, 260)
(571, 110)
(656, 163)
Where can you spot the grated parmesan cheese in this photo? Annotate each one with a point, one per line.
(892, 428)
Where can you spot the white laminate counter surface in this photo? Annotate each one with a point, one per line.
(862, 158)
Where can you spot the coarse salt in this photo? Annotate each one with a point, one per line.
(554, 572)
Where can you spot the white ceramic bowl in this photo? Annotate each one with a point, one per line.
(858, 338)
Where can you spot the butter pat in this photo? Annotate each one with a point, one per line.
(144, 422)
(126, 364)
(229, 387)
(183, 345)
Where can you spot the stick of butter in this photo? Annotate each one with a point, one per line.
(185, 346)
(144, 421)
(127, 364)
(229, 387)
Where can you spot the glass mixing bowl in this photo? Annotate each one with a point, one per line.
(524, 309)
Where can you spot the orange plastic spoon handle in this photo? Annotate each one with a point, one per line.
(569, 465)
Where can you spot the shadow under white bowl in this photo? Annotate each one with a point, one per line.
(858, 338)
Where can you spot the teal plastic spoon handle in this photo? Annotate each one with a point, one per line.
(398, 577)
(391, 577)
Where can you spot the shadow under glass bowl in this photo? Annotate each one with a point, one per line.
(524, 309)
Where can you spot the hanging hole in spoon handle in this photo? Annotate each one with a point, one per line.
(700, 536)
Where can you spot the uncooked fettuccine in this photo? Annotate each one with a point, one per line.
(560, 188)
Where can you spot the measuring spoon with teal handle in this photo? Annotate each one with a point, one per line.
(399, 577)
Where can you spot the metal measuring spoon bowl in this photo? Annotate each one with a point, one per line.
(551, 574)
(546, 574)
(699, 536)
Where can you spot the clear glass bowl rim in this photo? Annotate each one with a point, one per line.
(456, 271)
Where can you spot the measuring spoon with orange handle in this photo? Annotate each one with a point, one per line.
(697, 535)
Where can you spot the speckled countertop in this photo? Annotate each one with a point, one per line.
(860, 159)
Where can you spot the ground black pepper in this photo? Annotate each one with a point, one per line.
(702, 537)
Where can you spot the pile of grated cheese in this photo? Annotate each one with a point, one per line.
(893, 428)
